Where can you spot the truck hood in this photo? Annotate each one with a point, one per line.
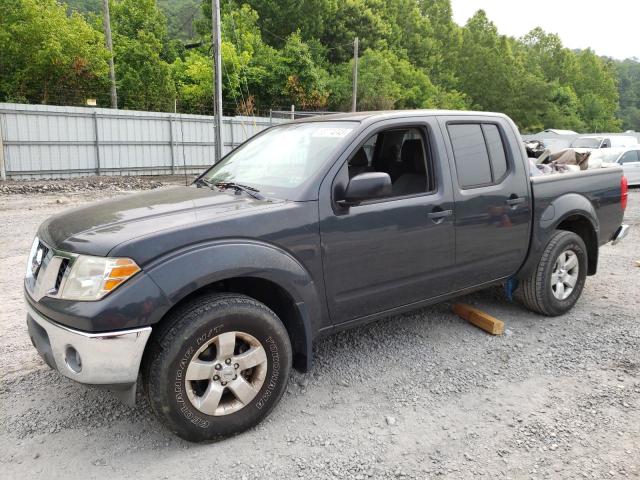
(98, 228)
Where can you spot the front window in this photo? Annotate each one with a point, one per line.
(282, 159)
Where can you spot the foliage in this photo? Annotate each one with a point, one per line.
(629, 88)
(180, 16)
(141, 52)
(281, 52)
(47, 56)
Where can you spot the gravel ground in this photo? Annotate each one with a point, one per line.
(423, 395)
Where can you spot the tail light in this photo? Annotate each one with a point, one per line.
(624, 192)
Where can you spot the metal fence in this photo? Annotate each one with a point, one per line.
(40, 141)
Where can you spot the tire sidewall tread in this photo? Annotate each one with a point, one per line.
(535, 291)
(179, 337)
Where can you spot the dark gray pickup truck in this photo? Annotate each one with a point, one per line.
(212, 292)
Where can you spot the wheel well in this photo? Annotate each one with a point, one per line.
(582, 227)
(277, 299)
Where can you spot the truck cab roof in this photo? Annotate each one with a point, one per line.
(372, 116)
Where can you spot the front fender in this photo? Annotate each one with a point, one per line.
(187, 270)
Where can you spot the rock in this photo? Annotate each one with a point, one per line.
(390, 420)
(81, 184)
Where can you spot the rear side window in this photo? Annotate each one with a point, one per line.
(496, 151)
(478, 153)
(470, 153)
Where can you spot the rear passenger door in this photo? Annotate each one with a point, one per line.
(491, 194)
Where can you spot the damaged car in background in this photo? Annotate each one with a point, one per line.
(600, 141)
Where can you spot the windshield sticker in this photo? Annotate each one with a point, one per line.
(326, 132)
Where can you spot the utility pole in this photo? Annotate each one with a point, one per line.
(107, 35)
(217, 76)
(354, 95)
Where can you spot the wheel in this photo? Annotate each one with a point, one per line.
(555, 285)
(217, 366)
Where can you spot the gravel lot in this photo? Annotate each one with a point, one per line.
(423, 395)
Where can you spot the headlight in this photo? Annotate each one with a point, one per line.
(91, 278)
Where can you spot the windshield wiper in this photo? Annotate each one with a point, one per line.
(254, 192)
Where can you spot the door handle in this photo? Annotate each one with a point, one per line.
(512, 201)
(437, 216)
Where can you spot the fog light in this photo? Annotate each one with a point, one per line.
(72, 359)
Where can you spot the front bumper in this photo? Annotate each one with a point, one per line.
(111, 358)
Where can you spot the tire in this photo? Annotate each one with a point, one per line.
(218, 323)
(540, 292)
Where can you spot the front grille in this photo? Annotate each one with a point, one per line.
(46, 270)
(61, 272)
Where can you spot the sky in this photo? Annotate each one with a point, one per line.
(610, 28)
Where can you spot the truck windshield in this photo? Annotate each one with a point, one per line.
(586, 142)
(283, 158)
(607, 155)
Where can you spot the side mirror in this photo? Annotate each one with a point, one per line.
(367, 186)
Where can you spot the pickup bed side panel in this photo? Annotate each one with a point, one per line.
(593, 195)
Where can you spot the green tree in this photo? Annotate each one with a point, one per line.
(49, 56)
(141, 52)
(628, 72)
(441, 60)
(277, 52)
(595, 85)
(388, 82)
(85, 6)
(193, 82)
(495, 77)
(545, 53)
(275, 18)
(180, 17)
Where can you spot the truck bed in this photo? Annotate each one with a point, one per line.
(564, 200)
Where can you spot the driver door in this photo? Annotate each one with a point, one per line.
(396, 251)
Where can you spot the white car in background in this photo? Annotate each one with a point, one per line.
(603, 141)
(628, 158)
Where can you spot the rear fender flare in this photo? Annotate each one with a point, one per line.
(564, 207)
(556, 212)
